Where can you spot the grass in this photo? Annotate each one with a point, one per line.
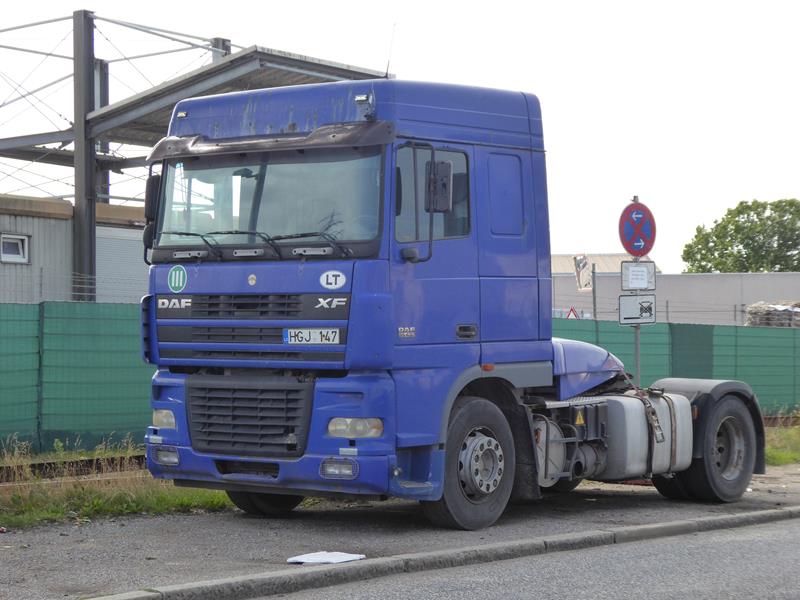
(120, 487)
(783, 445)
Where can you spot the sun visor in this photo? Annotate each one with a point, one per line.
(375, 133)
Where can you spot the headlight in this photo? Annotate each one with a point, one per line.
(342, 427)
(163, 419)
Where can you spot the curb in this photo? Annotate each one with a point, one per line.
(294, 580)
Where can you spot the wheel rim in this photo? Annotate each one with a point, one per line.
(480, 464)
(729, 448)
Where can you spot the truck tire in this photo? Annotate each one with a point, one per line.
(479, 467)
(264, 505)
(562, 486)
(671, 487)
(729, 454)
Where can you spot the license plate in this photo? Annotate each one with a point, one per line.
(310, 336)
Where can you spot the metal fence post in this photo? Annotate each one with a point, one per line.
(40, 382)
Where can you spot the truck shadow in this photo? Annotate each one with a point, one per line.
(591, 506)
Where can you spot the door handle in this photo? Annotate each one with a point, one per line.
(466, 332)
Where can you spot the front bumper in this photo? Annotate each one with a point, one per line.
(300, 475)
(381, 469)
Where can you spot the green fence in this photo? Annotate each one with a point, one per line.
(19, 369)
(767, 358)
(73, 371)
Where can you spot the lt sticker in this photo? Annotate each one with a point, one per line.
(177, 279)
(332, 280)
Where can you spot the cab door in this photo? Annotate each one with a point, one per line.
(436, 292)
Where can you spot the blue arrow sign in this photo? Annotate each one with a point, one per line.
(636, 216)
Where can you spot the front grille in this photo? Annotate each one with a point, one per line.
(249, 416)
(324, 307)
(178, 353)
(246, 306)
(225, 335)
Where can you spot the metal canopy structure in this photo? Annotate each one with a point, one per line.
(142, 119)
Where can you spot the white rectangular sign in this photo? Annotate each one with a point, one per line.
(638, 275)
(637, 310)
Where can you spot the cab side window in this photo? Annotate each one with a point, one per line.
(411, 220)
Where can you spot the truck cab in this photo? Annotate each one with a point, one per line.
(350, 294)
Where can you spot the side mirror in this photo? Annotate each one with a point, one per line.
(151, 191)
(439, 191)
(148, 236)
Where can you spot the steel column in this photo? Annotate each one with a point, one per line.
(221, 47)
(102, 176)
(83, 220)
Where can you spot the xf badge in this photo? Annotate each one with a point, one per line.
(330, 302)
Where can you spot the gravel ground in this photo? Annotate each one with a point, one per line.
(121, 554)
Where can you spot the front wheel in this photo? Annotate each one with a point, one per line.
(479, 467)
(264, 505)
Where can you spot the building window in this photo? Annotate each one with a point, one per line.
(14, 248)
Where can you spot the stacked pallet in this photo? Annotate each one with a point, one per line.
(765, 314)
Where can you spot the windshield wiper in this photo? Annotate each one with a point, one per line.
(212, 247)
(267, 239)
(332, 241)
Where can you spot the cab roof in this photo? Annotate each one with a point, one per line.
(434, 111)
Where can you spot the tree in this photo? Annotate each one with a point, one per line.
(752, 237)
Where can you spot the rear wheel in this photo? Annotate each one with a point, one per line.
(264, 505)
(479, 467)
(729, 454)
(670, 487)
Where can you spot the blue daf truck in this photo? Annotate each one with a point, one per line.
(350, 295)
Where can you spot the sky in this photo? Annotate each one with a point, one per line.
(691, 106)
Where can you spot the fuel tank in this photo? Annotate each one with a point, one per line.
(628, 435)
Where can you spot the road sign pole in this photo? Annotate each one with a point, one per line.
(637, 376)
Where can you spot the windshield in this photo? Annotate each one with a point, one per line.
(331, 194)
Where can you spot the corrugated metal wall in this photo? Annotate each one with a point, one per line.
(121, 271)
(708, 298)
(49, 274)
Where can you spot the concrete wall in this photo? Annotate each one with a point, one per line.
(708, 298)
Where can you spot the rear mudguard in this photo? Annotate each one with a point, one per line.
(703, 394)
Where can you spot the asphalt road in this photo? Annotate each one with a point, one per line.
(122, 554)
(750, 562)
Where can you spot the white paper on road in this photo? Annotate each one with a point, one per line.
(324, 558)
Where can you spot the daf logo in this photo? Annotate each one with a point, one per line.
(174, 303)
(330, 302)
